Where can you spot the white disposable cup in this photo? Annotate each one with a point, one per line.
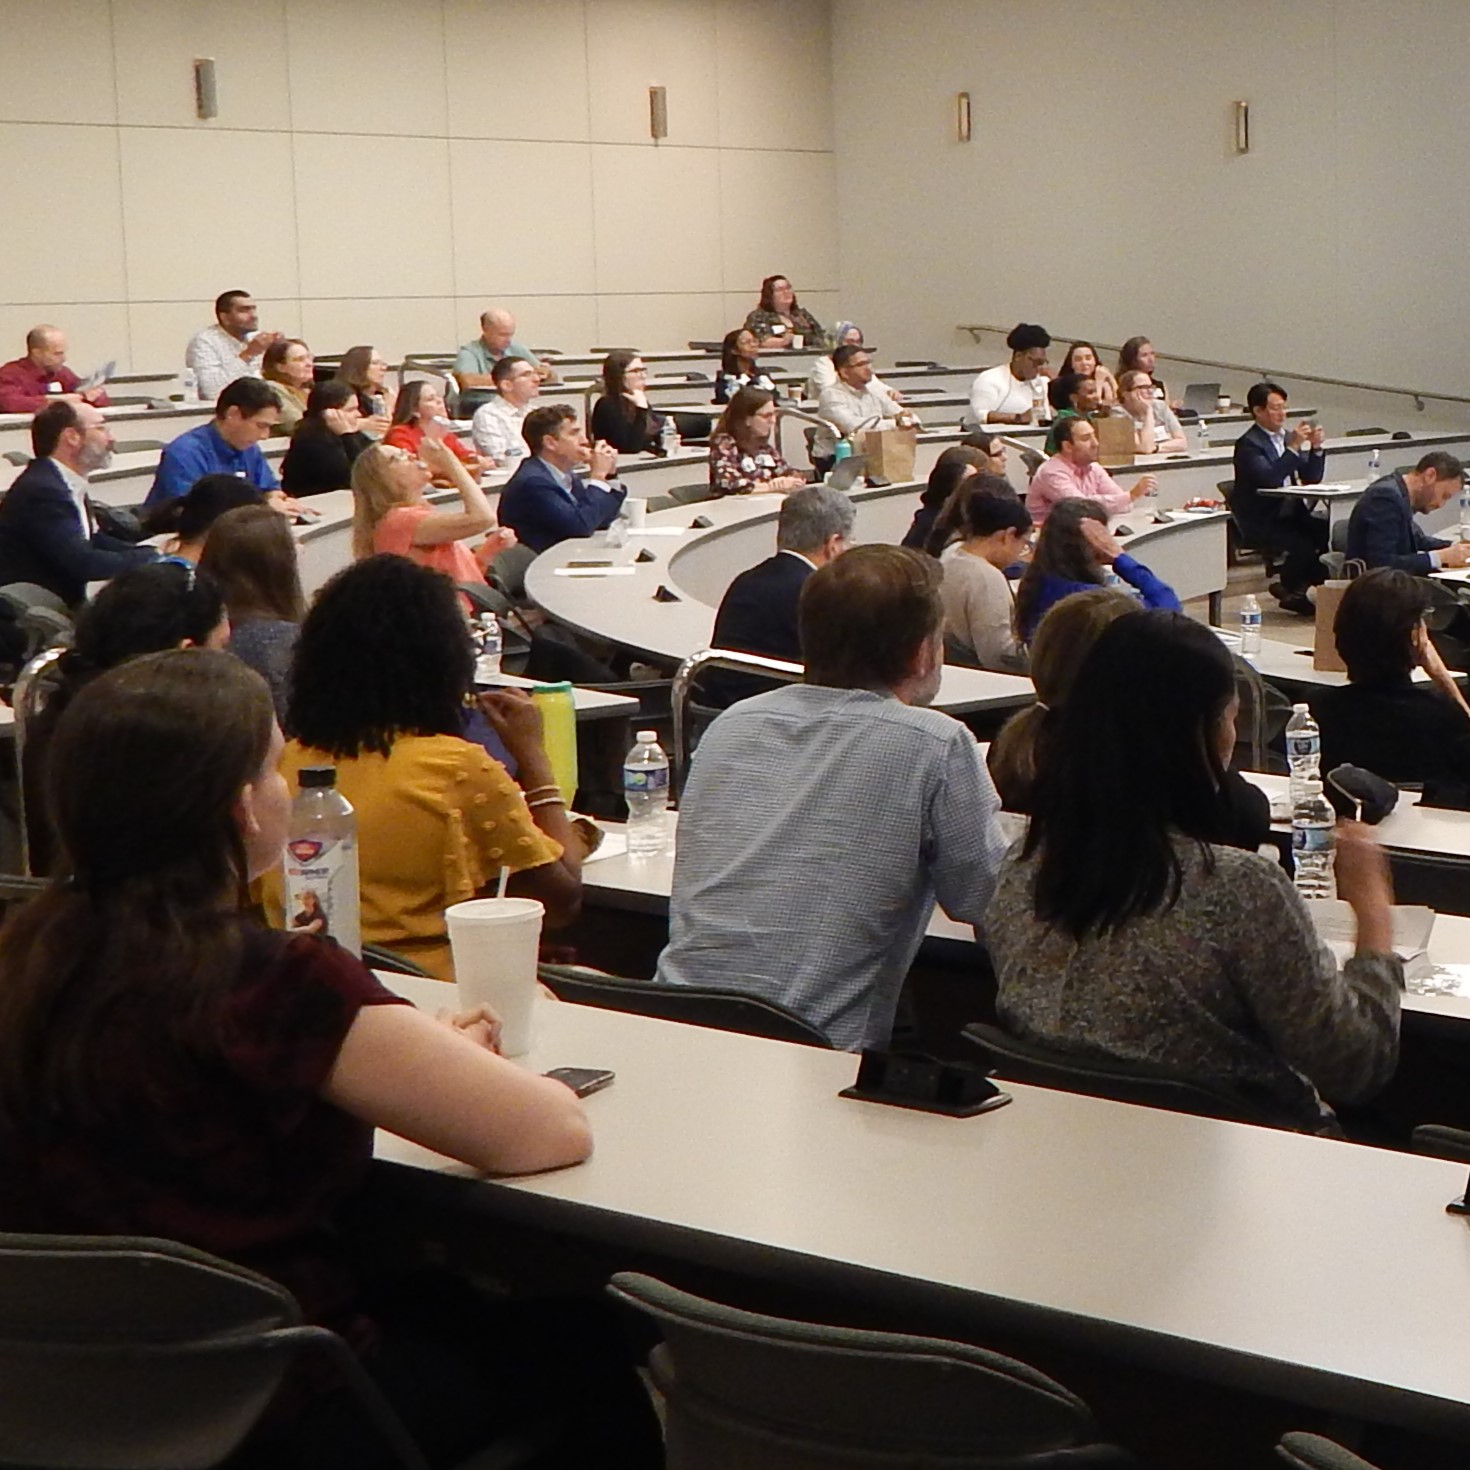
(494, 943)
(636, 511)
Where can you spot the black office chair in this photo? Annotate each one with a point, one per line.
(1238, 545)
(1130, 1082)
(1312, 1452)
(744, 1389)
(718, 1010)
(1438, 881)
(380, 957)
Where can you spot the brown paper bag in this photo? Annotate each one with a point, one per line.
(1115, 441)
(889, 454)
(1325, 656)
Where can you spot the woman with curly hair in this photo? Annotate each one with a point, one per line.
(383, 668)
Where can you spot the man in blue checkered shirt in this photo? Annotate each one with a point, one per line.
(821, 821)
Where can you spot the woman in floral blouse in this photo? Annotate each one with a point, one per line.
(778, 320)
(744, 457)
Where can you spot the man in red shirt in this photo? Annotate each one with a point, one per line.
(42, 376)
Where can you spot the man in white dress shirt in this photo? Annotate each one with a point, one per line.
(230, 349)
(855, 402)
(496, 426)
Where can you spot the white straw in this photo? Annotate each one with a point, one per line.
(504, 879)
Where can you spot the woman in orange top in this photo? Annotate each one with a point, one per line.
(421, 413)
(391, 514)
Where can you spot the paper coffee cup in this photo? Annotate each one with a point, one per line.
(494, 943)
(636, 510)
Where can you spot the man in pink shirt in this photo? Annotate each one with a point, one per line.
(40, 377)
(1074, 470)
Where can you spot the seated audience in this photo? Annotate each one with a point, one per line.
(856, 402)
(744, 454)
(252, 558)
(1382, 531)
(383, 667)
(420, 412)
(48, 533)
(1071, 396)
(475, 361)
(758, 611)
(623, 415)
(1009, 393)
(1402, 731)
(498, 423)
(1071, 552)
(1137, 355)
(188, 521)
(290, 371)
(1063, 640)
(1082, 358)
(547, 500)
(391, 513)
(40, 377)
(778, 321)
(146, 610)
(1266, 457)
(244, 414)
(232, 348)
(326, 443)
(982, 530)
(149, 1026)
(1073, 472)
(739, 368)
(1156, 428)
(821, 821)
(365, 370)
(1122, 927)
(951, 469)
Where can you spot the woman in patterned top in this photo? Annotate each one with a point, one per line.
(744, 456)
(779, 319)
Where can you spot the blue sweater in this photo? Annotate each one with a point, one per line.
(1154, 592)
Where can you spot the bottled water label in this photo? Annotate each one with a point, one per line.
(321, 889)
(1313, 840)
(645, 780)
(1303, 746)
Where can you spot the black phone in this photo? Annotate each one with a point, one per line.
(582, 1080)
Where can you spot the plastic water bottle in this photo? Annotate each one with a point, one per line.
(1313, 843)
(1202, 435)
(1040, 407)
(646, 790)
(668, 436)
(1250, 625)
(1375, 458)
(320, 861)
(189, 382)
(1303, 751)
(490, 643)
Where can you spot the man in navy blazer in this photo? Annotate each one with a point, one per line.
(48, 535)
(546, 501)
(1382, 532)
(1267, 457)
(758, 611)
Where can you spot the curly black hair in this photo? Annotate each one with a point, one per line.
(384, 652)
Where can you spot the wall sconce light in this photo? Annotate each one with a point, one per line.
(962, 116)
(1242, 127)
(658, 112)
(206, 94)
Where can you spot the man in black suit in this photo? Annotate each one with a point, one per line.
(1267, 456)
(48, 534)
(758, 611)
(1382, 532)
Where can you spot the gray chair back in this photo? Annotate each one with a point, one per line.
(682, 697)
(43, 616)
(508, 571)
(744, 1389)
(36, 684)
(1312, 1452)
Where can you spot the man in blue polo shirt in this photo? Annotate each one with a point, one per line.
(244, 413)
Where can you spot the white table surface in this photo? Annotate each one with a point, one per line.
(1323, 1271)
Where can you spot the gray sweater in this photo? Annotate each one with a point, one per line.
(1230, 987)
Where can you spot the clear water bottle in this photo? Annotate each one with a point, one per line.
(189, 383)
(1313, 843)
(668, 436)
(489, 643)
(1250, 625)
(1202, 435)
(1303, 751)
(320, 862)
(1375, 458)
(646, 790)
(1040, 408)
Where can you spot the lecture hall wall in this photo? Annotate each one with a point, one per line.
(1101, 196)
(381, 170)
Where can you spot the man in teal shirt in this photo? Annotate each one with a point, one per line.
(475, 360)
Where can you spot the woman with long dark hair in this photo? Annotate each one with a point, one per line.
(954, 466)
(778, 319)
(1122, 927)
(168, 1068)
(326, 443)
(623, 415)
(744, 457)
(1082, 358)
(421, 413)
(739, 367)
(1072, 550)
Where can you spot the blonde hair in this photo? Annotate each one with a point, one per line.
(373, 496)
(1060, 648)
